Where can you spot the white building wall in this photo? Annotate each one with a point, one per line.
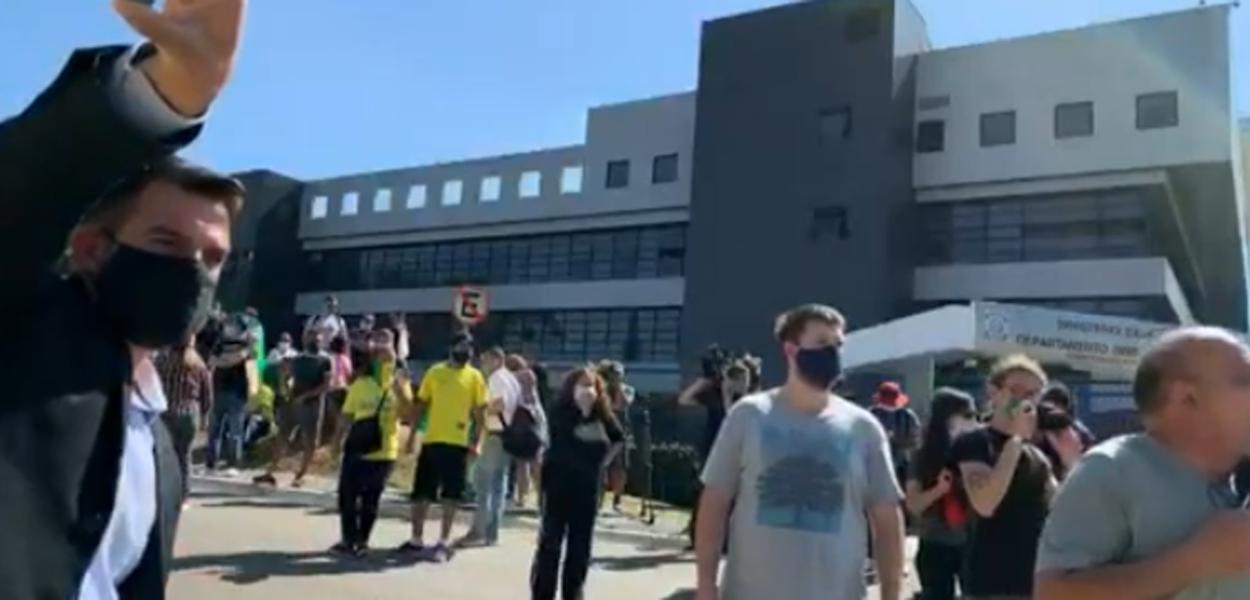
(1109, 65)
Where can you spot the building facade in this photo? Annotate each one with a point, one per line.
(829, 154)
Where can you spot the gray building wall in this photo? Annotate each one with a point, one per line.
(784, 209)
(636, 131)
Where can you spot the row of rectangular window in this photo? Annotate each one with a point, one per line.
(1156, 110)
(664, 169)
(1111, 225)
(650, 335)
(612, 254)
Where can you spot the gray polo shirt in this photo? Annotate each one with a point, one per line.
(1130, 498)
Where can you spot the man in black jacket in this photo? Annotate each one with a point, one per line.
(89, 483)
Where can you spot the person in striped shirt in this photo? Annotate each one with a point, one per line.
(188, 385)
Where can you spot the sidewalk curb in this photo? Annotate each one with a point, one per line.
(396, 507)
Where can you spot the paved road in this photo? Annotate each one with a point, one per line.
(243, 549)
(240, 548)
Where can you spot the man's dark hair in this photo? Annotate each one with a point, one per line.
(792, 323)
(1058, 394)
(116, 203)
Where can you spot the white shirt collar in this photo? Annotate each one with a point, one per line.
(147, 395)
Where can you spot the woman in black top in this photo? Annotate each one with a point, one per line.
(933, 495)
(584, 438)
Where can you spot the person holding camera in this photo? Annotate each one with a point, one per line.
(723, 382)
(232, 358)
(1009, 483)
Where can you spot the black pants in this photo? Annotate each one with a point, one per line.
(182, 433)
(361, 483)
(938, 566)
(568, 520)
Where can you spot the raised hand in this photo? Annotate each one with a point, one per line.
(196, 41)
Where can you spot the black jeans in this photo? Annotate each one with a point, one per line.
(939, 566)
(568, 520)
(182, 430)
(361, 483)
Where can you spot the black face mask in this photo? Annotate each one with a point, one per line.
(460, 356)
(153, 299)
(819, 367)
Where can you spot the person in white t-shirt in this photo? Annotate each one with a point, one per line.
(329, 324)
(490, 473)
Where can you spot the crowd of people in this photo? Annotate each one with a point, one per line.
(112, 249)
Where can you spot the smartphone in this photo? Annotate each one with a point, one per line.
(1013, 406)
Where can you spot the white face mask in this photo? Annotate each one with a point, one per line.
(584, 396)
(960, 425)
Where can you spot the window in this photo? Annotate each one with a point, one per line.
(1074, 226)
(416, 196)
(490, 189)
(571, 180)
(664, 169)
(351, 200)
(930, 136)
(1158, 110)
(834, 124)
(452, 192)
(862, 24)
(617, 175)
(829, 222)
(998, 129)
(933, 102)
(621, 253)
(382, 200)
(320, 207)
(530, 185)
(1073, 120)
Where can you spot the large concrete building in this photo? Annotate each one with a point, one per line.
(828, 154)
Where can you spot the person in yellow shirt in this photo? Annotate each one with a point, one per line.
(369, 436)
(453, 394)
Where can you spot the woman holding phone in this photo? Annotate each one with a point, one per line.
(933, 496)
(369, 437)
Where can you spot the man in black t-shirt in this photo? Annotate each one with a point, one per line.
(300, 416)
(1009, 483)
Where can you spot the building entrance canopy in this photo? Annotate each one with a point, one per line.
(1107, 347)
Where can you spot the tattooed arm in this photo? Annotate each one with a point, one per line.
(986, 478)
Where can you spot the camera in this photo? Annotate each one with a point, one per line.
(1052, 418)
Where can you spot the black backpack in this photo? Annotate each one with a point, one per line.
(522, 438)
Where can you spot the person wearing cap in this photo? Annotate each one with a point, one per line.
(90, 484)
(454, 395)
(902, 426)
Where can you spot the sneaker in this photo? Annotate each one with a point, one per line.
(411, 547)
(232, 472)
(342, 548)
(265, 479)
(441, 553)
(360, 550)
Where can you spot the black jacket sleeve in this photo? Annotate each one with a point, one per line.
(56, 158)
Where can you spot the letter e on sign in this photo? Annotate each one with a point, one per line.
(470, 305)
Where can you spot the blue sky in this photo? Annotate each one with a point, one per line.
(328, 87)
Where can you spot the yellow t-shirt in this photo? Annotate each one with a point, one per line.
(451, 394)
(363, 397)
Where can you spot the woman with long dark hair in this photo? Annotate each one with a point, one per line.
(584, 438)
(933, 495)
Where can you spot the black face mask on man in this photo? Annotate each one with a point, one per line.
(819, 367)
(154, 300)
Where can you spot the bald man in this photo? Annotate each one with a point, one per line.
(1154, 515)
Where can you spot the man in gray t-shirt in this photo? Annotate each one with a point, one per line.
(1155, 515)
(801, 484)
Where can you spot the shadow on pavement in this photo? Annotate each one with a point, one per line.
(682, 594)
(639, 562)
(236, 502)
(244, 568)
